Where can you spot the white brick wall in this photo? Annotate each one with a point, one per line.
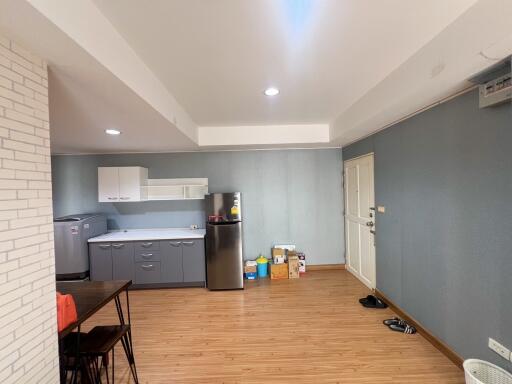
(28, 329)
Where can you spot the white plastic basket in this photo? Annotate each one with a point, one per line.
(482, 372)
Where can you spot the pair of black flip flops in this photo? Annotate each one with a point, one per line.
(399, 325)
(372, 301)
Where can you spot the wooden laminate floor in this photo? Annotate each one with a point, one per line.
(310, 330)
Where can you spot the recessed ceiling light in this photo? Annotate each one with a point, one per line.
(271, 91)
(112, 132)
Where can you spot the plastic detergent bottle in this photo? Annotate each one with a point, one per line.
(262, 266)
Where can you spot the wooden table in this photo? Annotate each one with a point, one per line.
(90, 297)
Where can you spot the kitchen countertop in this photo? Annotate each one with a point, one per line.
(149, 234)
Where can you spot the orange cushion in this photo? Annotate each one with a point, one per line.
(66, 311)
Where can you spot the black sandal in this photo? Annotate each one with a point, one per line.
(394, 320)
(373, 302)
(364, 299)
(406, 328)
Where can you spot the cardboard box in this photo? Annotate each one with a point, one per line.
(289, 247)
(302, 262)
(251, 275)
(250, 269)
(278, 252)
(293, 267)
(278, 271)
(278, 255)
(290, 253)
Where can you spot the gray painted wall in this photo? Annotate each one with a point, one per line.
(444, 245)
(288, 195)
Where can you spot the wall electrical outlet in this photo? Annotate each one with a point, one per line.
(499, 349)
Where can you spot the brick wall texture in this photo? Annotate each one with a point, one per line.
(28, 329)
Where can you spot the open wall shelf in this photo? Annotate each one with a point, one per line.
(176, 189)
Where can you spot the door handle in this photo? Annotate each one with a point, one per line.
(147, 245)
(372, 231)
(147, 267)
(125, 198)
(112, 198)
(104, 246)
(175, 243)
(370, 223)
(188, 243)
(117, 246)
(146, 255)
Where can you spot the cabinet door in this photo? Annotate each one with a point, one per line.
(122, 261)
(171, 257)
(108, 184)
(193, 260)
(100, 258)
(131, 180)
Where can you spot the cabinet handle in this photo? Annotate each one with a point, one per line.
(125, 198)
(104, 246)
(147, 245)
(117, 246)
(147, 267)
(175, 243)
(188, 243)
(112, 198)
(146, 255)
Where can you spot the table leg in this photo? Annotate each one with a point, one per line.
(77, 358)
(126, 341)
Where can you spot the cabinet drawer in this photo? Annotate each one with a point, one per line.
(147, 255)
(146, 246)
(147, 272)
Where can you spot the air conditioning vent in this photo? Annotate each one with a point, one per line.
(496, 91)
(495, 84)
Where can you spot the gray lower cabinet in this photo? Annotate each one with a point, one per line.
(122, 261)
(172, 261)
(149, 262)
(100, 259)
(193, 260)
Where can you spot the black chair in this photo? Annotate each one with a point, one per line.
(95, 347)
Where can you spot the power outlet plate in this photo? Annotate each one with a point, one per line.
(499, 349)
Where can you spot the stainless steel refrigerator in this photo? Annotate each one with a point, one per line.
(224, 259)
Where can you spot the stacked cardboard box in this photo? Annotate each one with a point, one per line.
(278, 271)
(286, 264)
(302, 262)
(293, 266)
(278, 255)
(250, 270)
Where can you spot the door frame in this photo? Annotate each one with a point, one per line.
(345, 200)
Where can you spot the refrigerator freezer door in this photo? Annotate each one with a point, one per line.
(224, 206)
(224, 260)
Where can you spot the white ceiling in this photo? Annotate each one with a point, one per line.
(86, 98)
(218, 56)
(178, 75)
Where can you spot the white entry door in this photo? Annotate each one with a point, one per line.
(360, 219)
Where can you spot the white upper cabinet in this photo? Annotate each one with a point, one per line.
(131, 182)
(108, 184)
(117, 184)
